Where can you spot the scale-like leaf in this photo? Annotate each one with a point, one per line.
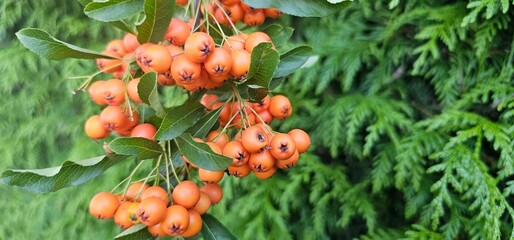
(179, 119)
(136, 146)
(278, 34)
(292, 60)
(70, 173)
(201, 154)
(213, 229)
(113, 10)
(301, 8)
(136, 232)
(158, 16)
(147, 90)
(264, 62)
(44, 45)
(204, 125)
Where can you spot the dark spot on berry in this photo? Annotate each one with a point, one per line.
(283, 147)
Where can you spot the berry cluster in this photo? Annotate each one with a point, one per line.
(150, 206)
(190, 58)
(254, 145)
(230, 12)
(199, 65)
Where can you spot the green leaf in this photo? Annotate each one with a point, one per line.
(123, 26)
(256, 94)
(201, 154)
(158, 16)
(275, 82)
(113, 10)
(292, 60)
(264, 62)
(44, 45)
(136, 232)
(147, 90)
(301, 8)
(84, 2)
(179, 119)
(278, 34)
(136, 146)
(117, 24)
(205, 124)
(213, 229)
(70, 173)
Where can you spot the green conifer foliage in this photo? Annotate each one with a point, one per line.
(42, 121)
(409, 107)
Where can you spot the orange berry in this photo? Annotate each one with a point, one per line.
(282, 146)
(221, 139)
(157, 231)
(95, 129)
(132, 212)
(272, 12)
(237, 152)
(209, 101)
(186, 194)
(195, 224)
(214, 191)
(301, 138)
(121, 217)
(261, 161)
(240, 63)
(280, 107)
(178, 32)
(185, 71)
(155, 58)
(199, 46)
(254, 139)
(288, 163)
(234, 43)
(151, 211)
(208, 176)
(104, 205)
(203, 204)
(155, 191)
(96, 92)
(267, 174)
(108, 65)
(114, 91)
(130, 42)
(135, 191)
(132, 90)
(239, 171)
(117, 46)
(144, 130)
(255, 18)
(219, 62)
(113, 118)
(254, 39)
(176, 221)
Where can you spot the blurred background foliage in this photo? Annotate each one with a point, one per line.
(42, 122)
(408, 103)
